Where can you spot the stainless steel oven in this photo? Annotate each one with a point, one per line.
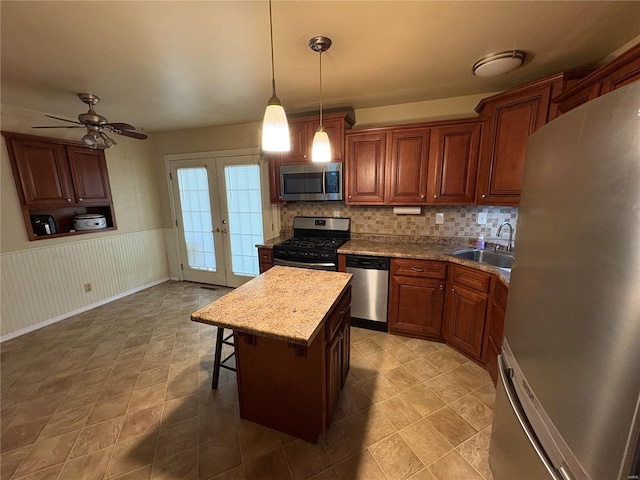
(311, 182)
(314, 244)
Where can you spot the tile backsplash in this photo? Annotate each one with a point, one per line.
(365, 221)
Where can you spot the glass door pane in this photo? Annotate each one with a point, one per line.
(196, 216)
(244, 204)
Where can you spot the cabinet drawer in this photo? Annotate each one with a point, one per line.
(265, 255)
(500, 295)
(338, 313)
(418, 268)
(471, 278)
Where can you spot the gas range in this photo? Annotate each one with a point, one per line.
(314, 244)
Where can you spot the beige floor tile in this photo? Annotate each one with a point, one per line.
(218, 456)
(371, 426)
(177, 437)
(401, 378)
(361, 369)
(451, 425)
(423, 399)
(152, 377)
(22, 434)
(468, 379)
(473, 411)
(118, 385)
(378, 388)
(269, 467)
(353, 399)
(403, 354)
(216, 422)
(9, 461)
(423, 347)
(422, 369)
(445, 359)
(383, 361)
(80, 396)
(142, 473)
(423, 474)
(329, 474)
(66, 421)
(141, 422)
(478, 370)
(399, 412)
(236, 473)
(92, 377)
(49, 473)
(147, 397)
(38, 408)
(476, 452)
(305, 459)
(88, 467)
(97, 437)
(453, 467)
(427, 443)
(256, 441)
(341, 441)
(182, 466)
(486, 395)
(446, 388)
(361, 466)
(180, 409)
(46, 453)
(109, 408)
(395, 458)
(131, 455)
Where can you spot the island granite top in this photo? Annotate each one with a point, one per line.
(284, 303)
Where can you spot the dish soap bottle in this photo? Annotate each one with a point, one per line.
(480, 242)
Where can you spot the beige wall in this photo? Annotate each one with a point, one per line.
(132, 174)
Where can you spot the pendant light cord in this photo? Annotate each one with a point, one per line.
(273, 72)
(321, 89)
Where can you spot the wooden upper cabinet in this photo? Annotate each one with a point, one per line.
(511, 118)
(89, 173)
(621, 71)
(365, 168)
(299, 151)
(453, 164)
(43, 172)
(408, 166)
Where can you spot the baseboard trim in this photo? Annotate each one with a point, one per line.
(53, 320)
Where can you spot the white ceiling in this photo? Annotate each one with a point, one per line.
(173, 65)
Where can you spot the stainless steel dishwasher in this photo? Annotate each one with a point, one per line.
(369, 291)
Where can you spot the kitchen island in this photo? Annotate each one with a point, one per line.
(291, 334)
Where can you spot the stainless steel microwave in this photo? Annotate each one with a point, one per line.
(311, 182)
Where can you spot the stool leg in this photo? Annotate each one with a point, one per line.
(217, 357)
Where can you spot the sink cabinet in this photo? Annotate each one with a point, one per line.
(465, 309)
(59, 178)
(416, 297)
(492, 345)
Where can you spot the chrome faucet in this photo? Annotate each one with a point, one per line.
(509, 245)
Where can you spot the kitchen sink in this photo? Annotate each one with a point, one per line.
(500, 260)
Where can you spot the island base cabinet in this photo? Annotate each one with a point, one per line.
(281, 385)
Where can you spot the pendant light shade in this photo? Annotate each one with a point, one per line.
(275, 129)
(321, 148)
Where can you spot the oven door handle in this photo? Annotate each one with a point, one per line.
(288, 263)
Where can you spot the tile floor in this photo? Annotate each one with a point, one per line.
(124, 391)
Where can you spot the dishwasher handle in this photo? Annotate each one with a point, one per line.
(368, 262)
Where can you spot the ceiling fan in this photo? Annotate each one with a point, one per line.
(97, 124)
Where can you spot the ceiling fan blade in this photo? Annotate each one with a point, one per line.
(63, 126)
(121, 126)
(63, 119)
(127, 133)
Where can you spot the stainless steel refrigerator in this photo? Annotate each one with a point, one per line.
(567, 402)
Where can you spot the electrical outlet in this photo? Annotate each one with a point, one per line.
(336, 213)
(88, 287)
(439, 218)
(482, 218)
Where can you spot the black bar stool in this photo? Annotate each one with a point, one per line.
(217, 356)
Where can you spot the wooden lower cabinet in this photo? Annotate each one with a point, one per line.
(338, 351)
(265, 258)
(495, 328)
(466, 309)
(416, 297)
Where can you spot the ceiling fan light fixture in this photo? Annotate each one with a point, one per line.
(275, 128)
(321, 147)
(108, 142)
(90, 139)
(499, 63)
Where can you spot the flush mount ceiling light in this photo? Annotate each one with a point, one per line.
(498, 63)
(275, 129)
(321, 148)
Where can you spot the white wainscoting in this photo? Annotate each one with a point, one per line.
(41, 286)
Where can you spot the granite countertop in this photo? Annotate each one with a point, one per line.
(284, 303)
(422, 251)
(271, 242)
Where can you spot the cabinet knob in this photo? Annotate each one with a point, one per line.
(441, 286)
(435, 196)
(68, 199)
(423, 197)
(79, 199)
(417, 269)
(453, 291)
(279, 197)
(349, 197)
(484, 196)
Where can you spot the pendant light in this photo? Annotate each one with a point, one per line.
(275, 129)
(321, 148)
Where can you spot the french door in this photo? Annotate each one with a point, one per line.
(219, 217)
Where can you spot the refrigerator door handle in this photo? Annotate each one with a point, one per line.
(512, 396)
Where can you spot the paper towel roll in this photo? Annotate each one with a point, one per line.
(407, 210)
